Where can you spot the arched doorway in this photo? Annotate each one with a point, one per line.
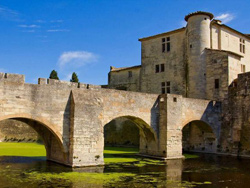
(198, 136)
(130, 131)
(55, 151)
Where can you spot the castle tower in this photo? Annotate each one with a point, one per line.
(198, 38)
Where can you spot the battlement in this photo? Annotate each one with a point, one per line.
(20, 79)
(16, 78)
(66, 84)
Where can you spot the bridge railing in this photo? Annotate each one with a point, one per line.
(20, 79)
(17, 78)
(61, 83)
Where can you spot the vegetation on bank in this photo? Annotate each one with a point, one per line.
(111, 154)
(22, 149)
(116, 158)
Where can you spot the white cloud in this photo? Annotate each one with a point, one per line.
(29, 26)
(40, 21)
(67, 77)
(183, 23)
(225, 17)
(57, 30)
(29, 31)
(56, 21)
(9, 14)
(76, 58)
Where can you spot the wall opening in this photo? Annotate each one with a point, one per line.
(198, 136)
(36, 139)
(121, 132)
(126, 136)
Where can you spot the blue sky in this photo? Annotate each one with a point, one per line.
(88, 36)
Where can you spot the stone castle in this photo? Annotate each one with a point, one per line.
(204, 60)
(191, 92)
(200, 61)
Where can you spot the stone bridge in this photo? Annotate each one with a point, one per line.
(70, 117)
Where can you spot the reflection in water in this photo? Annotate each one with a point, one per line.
(206, 171)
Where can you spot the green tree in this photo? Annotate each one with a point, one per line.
(53, 75)
(74, 78)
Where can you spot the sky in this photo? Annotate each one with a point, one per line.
(87, 37)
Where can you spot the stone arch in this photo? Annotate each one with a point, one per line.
(199, 136)
(55, 149)
(148, 136)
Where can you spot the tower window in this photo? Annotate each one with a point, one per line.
(216, 83)
(243, 68)
(159, 68)
(130, 74)
(166, 44)
(165, 87)
(162, 67)
(242, 45)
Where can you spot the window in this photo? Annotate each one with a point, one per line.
(165, 44)
(165, 87)
(216, 83)
(242, 45)
(168, 87)
(162, 67)
(130, 74)
(159, 68)
(243, 68)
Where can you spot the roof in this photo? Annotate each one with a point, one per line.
(230, 52)
(199, 13)
(113, 69)
(223, 25)
(162, 34)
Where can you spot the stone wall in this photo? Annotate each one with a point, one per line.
(216, 68)
(124, 79)
(152, 55)
(235, 131)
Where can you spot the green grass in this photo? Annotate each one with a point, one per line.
(111, 154)
(119, 155)
(190, 156)
(22, 149)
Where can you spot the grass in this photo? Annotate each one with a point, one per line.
(190, 156)
(111, 154)
(22, 149)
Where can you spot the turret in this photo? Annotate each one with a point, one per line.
(198, 39)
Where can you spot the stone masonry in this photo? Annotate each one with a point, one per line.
(70, 117)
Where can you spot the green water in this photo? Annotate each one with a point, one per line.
(24, 165)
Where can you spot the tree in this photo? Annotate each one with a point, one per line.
(74, 78)
(53, 75)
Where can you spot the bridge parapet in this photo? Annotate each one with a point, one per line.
(67, 84)
(15, 78)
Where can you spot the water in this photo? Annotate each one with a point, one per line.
(205, 171)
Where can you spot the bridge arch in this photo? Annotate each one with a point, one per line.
(199, 136)
(52, 138)
(148, 137)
